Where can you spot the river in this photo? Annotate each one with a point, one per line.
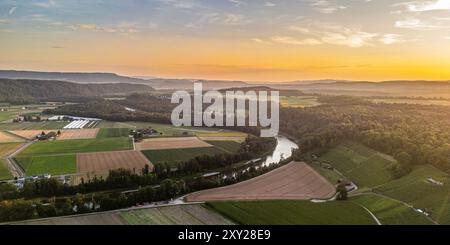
(282, 151)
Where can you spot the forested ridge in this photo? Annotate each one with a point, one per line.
(413, 134)
(26, 90)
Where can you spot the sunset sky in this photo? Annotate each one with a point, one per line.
(256, 40)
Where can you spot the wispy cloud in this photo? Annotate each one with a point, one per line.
(391, 39)
(326, 6)
(45, 4)
(12, 10)
(182, 4)
(5, 21)
(237, 2)
(335, 34)
(417, 24)
(227, 19)
(123, 28)
(423, 6)
(295, 41)
(269, 4)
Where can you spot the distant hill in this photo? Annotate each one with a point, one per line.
(157, 83)
(283, 92)
(188, 84)
(366, 88)
(26, 90)
(70, 77)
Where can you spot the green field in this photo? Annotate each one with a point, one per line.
(6, 115)
(391, 212)
(4, 171)
(54, 165)
(364, 166)
(6, 148)
(42, 148)
(45, 125)
(228, 146)
(171, 215)
(415, 189)
(184, 214)
(113, 132)
(331, 175)
(178, 155)
(165, 129)
(293, 213)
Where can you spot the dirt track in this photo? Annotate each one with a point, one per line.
(171, 143)
(294, 181)
(101, 162)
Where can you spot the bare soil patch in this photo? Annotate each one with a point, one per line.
(294, 181)
(101, 162)
(89, 133)
(29, 134)
(6, 138)
(171, 143)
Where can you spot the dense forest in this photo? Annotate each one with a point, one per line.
(413, 134)
(26, 91)
(145, 108)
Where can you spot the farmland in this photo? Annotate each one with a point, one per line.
(71, 134)
(4, 171)
(77, 146)
(178, 155)
(45, 125)
(6, 137)
(171, 143)
(6, 115)
(391, 212)
(7, 148)
(54, 165)
(170, 215)
(104, 161)
(164, 130)
(294, 181)
(417, 190)
(65, 134)
(228, 146)
(113, 132)
(364, 166)
(293, 213)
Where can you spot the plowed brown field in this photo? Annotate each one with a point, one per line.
(5, 138)
(89, 133)
(101, 162)
(294, 181)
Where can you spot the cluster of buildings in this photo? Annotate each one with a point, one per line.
(77, 122)
(143, 133)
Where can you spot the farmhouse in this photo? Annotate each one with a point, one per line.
(49, 136)
(144, 133)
